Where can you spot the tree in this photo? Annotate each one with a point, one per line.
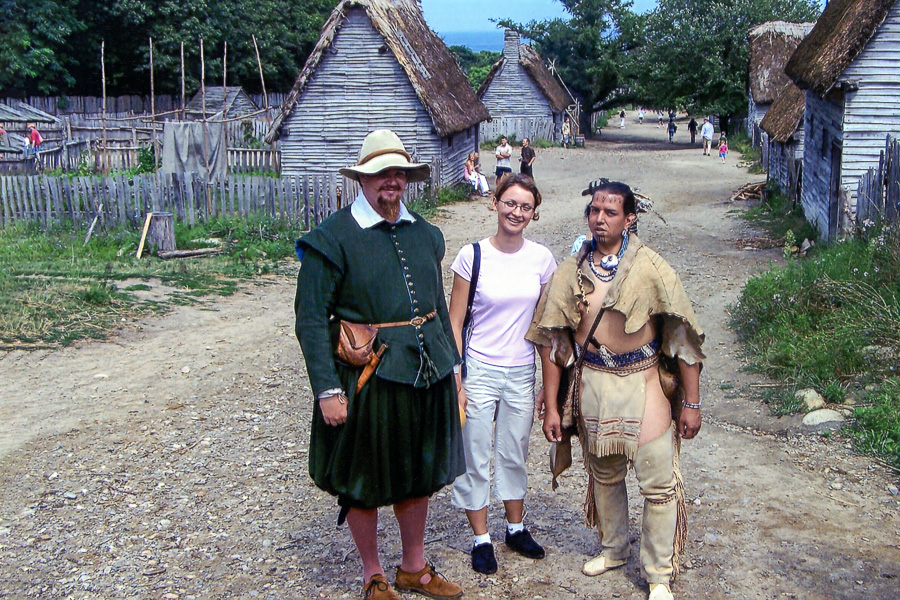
(476, 65)
(34, 38)
(696, 55)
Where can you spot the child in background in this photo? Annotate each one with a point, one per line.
(723, 148)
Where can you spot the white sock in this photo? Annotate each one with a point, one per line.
(481, 539)
(514, 527)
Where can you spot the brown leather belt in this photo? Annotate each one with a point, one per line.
(415, 321)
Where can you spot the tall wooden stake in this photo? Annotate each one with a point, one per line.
(262, 79)
(183, 114)
(153, 106)
(225, 104)
(205, 132)
(104, 162)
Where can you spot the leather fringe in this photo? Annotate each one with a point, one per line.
(590, 509)
(681, 526)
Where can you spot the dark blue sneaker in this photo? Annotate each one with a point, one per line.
(522, 543)
(483, 559)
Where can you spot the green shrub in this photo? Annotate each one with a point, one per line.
(876, 424)
(491, 144)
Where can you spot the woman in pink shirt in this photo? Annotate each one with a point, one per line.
(500, 367)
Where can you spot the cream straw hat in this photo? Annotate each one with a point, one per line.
(382, 150)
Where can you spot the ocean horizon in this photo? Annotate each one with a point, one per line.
(476, 41)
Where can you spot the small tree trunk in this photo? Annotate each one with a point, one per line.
(161, 234)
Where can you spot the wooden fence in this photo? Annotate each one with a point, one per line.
(123, 200)
(525, 127)
(878, 193)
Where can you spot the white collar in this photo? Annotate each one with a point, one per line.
(366, 216)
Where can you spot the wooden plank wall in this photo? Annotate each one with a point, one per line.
(822, 127)
(873, 110)
(124, 105)
(533, 128)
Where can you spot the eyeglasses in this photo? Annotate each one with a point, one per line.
(525, 208)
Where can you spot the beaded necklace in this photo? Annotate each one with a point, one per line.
(610, 262)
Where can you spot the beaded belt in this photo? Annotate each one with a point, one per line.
(625, 363)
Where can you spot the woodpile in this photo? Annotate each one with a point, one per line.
(750, 191)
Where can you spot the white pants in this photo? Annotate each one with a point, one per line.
(508, 393)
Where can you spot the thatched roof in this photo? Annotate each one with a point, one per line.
(543, 78)
(771, 45)
(432, 70)
(236, 103)
(839, 36)
(15, 111)
(783, 117)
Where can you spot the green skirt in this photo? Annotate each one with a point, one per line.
(399, 442)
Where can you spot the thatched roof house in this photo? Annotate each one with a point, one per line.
(377, 65)
(783, 125)
(14, 111)
(849, 65)
(235, 102)
(771, 45)
(524, 98)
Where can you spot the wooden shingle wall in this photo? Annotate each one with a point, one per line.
(358, 87)
(821, 130)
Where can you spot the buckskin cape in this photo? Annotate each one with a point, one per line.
(645, 287)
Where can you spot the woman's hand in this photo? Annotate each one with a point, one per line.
(334, 409)
(539, 408)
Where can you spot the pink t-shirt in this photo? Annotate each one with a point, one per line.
(508, 289)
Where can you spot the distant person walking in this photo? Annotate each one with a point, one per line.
(503, 152)
(622, 119)
(672, 128)
(723, 148)
(659, 119)
(706, 134)
(527, 159)
(692, 127)
(641, 116)
(33, 141)
(566, 133)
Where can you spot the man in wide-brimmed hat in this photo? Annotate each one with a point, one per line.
(394, 438)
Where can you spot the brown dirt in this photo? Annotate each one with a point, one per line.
(171, 462)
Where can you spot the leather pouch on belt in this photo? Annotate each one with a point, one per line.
(355, 343)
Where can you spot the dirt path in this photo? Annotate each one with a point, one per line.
(171, 463)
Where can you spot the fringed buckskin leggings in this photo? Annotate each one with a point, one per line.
(654, 468)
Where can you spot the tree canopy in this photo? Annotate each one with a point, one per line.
(476, 65)
(53, 46)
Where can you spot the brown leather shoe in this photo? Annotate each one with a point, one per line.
(437, 587)
(378, 588)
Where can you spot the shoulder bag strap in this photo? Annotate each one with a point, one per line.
(473, 283)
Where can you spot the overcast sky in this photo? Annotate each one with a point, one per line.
(475, 15)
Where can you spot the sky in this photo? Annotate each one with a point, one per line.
(475, 15)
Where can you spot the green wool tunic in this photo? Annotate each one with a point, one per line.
(402, 437)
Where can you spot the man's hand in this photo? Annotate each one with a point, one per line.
(552, 427)
(334, 409)
(689, 423)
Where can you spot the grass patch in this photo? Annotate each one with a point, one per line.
(876, 424)
(429, 205)
(54, 290)
(777, 215)
(740, 142)
(831, 322)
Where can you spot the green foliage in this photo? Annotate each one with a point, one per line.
(492, 144)
(694, 54)
(53, 46)
(428, 205)
(541, 143)
(777, 215)
(876, 424)
(476, 65)
(77, 294)
(828, 322)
